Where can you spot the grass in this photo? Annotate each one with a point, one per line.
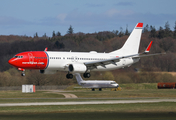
(19, 94)
(164, 93)
(133, 107)
(92, 116)
(158, 111)
(133, 111)
(129, 91)
(84, 95)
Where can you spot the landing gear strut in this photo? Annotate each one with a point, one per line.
(86, 75)
(69, 76)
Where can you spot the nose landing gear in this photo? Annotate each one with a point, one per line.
(23, 71)
(22, 74)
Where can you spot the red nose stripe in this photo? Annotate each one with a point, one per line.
(30, 60)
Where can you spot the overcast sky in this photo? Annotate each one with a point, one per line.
(26, 17)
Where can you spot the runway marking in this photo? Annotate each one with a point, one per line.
(89, 102)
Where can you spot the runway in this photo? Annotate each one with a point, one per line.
(88, 102)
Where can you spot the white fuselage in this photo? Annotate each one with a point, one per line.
(61, 60)
(95, 83)
(98, 84)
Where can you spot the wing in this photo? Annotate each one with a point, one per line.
(103, 63)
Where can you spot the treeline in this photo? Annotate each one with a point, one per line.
(164, 40)
(12, 77)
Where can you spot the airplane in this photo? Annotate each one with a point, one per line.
(95, 84)
(49, 62)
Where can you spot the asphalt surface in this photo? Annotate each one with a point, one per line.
(89, 102)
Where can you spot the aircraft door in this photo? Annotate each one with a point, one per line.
(31, 57)
(72, 59)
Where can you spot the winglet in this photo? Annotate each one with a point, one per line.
(46, 49)
(148, 48)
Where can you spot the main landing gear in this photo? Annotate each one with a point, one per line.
(70, 76)
(93, 89)
(86, 75)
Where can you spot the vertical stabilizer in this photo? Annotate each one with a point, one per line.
(131, 46)
(78, 78)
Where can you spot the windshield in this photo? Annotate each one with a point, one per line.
(18, 56)
(113, 82)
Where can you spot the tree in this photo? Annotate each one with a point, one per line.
(58, 45)
(115, 32)
(54, 34)
(70, 30)
(126, 31)
(108, 76)
(175, 30)
(152, 32)
(167, 31)
(146, 28)
(161, 33)
(44, 35)
(121, 32)
(36, 35)
(58, 33)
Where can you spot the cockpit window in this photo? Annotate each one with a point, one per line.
(18, 56)
(113, 82)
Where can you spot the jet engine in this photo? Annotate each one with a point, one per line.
(80, 68)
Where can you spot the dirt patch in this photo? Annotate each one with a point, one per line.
(67, 95)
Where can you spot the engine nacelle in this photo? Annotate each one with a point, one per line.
(80, 68)
(47, 71)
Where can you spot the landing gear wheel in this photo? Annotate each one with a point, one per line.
(100, 89)
(22, 74)
(86, 75)
(93, 89)
(69, 76)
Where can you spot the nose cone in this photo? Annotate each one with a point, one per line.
(12, 62)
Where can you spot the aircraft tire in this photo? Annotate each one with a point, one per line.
(22, 74)
(69, 76)
(86, 75)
